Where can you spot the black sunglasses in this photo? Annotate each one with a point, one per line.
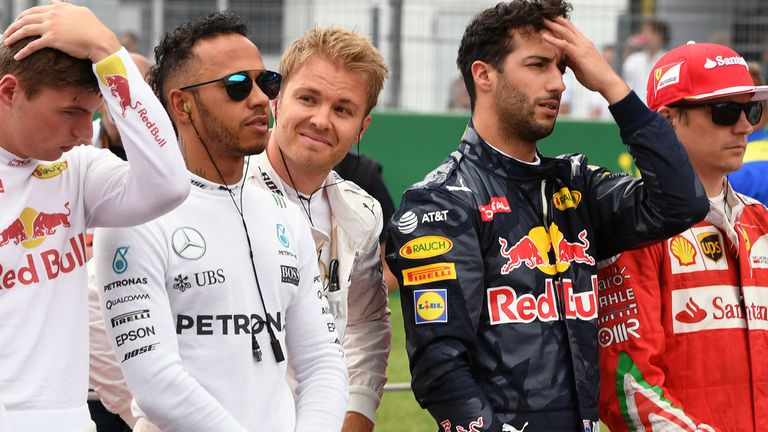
(727, 113)
(239, 84)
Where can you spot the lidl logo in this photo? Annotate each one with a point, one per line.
(49, 171)
(426, 247)
(566, 198)
(430, 305)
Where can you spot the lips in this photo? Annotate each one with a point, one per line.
(315, 138)
(551, 106)
(259, 122)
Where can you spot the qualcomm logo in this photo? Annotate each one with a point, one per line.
(188, 243)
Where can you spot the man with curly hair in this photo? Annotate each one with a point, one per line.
(205, 314)
(496, 248)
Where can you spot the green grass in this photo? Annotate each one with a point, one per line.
(399, 411)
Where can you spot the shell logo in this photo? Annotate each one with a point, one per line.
(566, 198)
(426, 247)
(683, 250)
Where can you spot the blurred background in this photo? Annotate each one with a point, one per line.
(419, 38)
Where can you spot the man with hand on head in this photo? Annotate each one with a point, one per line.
(332, 79)
(496, 248)
(58, 64)
(683, 322)
(206, 313)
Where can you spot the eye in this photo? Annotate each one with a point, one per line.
(344, 110)
(307, 98)
(70, 113)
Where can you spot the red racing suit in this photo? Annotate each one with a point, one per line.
(682, 328)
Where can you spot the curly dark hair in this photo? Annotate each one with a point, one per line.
(174, 54)
(488, 36)
(46, 68)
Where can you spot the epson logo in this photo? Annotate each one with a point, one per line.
(133, 335)
(129, 317)
(125, 282)
(289, 275)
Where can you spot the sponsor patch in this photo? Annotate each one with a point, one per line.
(2, 189)
(188, 243)
(426, 247)
(717, 307)
(132, 316)
(497, 205)
(429, 273)
(435, 216)
(181, 283)
(667, 75)
(407, 222)
(289, 275)
(697, 249)
(138, 351)
(566, 198)
(724, 61)
(50, 170)
(758, 253)
(431, 305)
(282, 236)
(711, 246)
(119, 261)
(505, 306)
(533, 251)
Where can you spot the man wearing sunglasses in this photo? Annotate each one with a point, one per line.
(207, 306)
(332, 79)
(58, 65)
(683, 324)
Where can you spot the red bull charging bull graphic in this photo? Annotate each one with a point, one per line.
(30, 230)
(533, 251)
(113, 74)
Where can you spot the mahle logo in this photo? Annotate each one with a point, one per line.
(119, 262)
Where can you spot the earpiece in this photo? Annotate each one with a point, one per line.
(185, 108)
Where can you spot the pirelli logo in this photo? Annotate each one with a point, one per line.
(130, 316)
(429, 273)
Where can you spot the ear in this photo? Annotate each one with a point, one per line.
(274, 104)
(9, 88)
(667, 113)
(484, 76)
(177, 101)
(364, 127)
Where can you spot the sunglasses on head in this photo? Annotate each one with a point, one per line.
(727, 113)
(239, 84)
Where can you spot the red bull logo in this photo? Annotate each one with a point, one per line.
(505, 306)
(31, 227)
(533, 251)
(19, 162)
(118, 86)
(48, 264)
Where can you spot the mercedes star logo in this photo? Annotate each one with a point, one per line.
(188, 243)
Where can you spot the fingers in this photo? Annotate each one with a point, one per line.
(28, 50)
(10, 35)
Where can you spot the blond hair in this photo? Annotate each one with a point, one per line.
(344, 48)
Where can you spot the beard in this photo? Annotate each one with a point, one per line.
(215, 131)
(517, 112)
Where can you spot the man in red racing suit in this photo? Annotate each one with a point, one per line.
(682, 323)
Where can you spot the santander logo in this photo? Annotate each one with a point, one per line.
(692, 313)
(724, 61)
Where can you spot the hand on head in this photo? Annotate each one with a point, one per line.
(588, 65)
(72, 29)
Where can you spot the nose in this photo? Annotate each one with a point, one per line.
(321, 117)
(555, 83)
(257, 98)
(742, 127)
(83, 129)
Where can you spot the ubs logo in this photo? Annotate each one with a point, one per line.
(188, 243)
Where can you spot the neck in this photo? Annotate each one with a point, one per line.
(302, 179)
(199, 162)
(489, 128)
(713, 186)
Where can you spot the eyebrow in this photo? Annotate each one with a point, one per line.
(313, 91)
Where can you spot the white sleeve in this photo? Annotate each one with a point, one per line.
(4, 426)
(105, 377)
(313, 346)
(155, 180)
(166, 393)
(368, 337)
